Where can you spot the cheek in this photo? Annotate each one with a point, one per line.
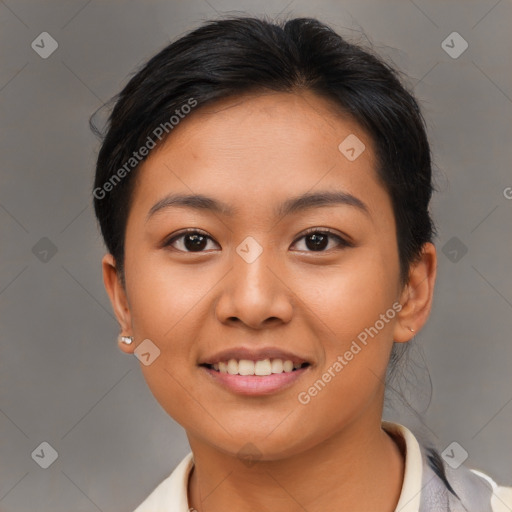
(351, 313)
(349, 297)
(352, 317)
(167, 309)
(165, 297)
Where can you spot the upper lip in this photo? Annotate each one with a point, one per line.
(253, 354)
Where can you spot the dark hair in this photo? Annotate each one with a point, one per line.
(236, 55)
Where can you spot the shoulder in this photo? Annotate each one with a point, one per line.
(464, 488)
(432, 484)
(501, 500)
(171, 493)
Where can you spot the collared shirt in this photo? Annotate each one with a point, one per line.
(423, 489)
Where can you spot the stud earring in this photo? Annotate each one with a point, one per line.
(412, 330)
(127, 340)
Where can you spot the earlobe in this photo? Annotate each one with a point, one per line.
(417, 295)
(118, 299)
(125, 343)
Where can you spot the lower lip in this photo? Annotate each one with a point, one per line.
(256, 384)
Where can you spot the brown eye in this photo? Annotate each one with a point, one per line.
(189, 241)
(317, 240)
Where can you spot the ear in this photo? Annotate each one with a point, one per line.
(118, 299)
(417, 294)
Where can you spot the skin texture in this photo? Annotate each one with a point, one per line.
(253, 152)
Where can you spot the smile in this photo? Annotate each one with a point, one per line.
(255, 378)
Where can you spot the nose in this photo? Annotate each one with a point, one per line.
(255, 293)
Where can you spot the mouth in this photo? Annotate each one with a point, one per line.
(253, 374)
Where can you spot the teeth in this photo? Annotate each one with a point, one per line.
(233, 367)
(288, 366)
(277, 366)
(245, 367)
(262, 367)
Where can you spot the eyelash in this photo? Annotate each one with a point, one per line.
(342, 243)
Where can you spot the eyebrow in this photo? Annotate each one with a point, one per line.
(303, 202)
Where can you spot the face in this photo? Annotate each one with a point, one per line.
(263, 277)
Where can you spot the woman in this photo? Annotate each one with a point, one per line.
(263, 192)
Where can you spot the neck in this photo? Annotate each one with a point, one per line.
(359, 468)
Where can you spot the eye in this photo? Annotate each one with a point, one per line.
(317, 240)
(190, 240)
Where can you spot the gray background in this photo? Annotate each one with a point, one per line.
(62, 378)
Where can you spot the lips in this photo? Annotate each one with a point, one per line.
(247, 383)
(255, 372)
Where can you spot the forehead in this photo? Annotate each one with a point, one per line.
(272, 121)
(254, 148)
